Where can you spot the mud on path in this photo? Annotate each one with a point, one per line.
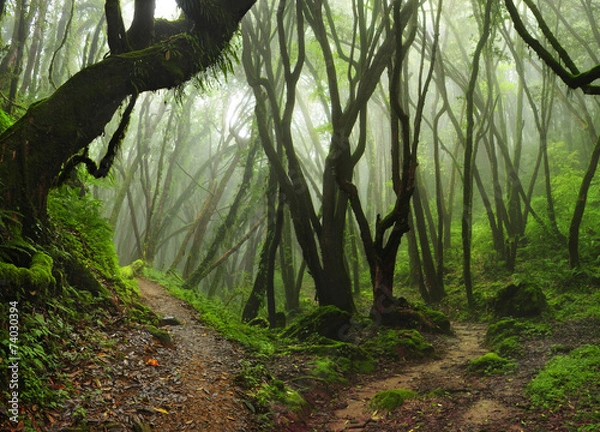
(464, 403)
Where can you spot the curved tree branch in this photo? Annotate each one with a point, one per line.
(34, 149)
(573, 79)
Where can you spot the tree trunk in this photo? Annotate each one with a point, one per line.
(34, 150)
(580, 206)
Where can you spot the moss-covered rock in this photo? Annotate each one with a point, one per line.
(32, 281)
(400, 313)
(277, 391)
(491, 364)
(519, 300)
(133, 270)
(163, 336)
(327, 370)
(400, 345)
(506, 336)
(326, 321)
(389, 400)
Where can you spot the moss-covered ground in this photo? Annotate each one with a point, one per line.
(63, 297)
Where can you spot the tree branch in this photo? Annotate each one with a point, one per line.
(574, 80)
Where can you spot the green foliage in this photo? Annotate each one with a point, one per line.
(399, 344)
(573, 379)
(389, 400)
(132, 270)
(491, 364)
(265, 390)
(5, 121)
(82, 231)
(53, 329)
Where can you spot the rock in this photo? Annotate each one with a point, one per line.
(399, 313)
(164, 337)
(519, 300)
(169, 320)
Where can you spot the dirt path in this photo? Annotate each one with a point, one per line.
(470, 404)
(202, 364)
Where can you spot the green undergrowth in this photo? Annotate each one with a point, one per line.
(571, 380)
(66, 294)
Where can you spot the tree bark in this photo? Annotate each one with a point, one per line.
(34, 150)
(580, 206)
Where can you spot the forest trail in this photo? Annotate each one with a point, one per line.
(476, 403)
(203, 364)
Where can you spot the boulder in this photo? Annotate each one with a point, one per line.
(519, 300)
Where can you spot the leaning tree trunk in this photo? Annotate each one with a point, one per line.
(580, 206)
(35, 149)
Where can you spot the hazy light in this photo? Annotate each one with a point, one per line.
(166, 9)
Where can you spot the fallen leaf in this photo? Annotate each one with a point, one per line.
(152, 362)
(160, 410)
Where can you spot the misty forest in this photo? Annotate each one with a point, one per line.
(299, 215)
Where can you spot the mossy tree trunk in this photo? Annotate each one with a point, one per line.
(35, 149)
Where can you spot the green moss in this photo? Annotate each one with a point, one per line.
(439, 319)
(491, 364)
(133, 270)
(509, 347)
(399, 344)
(35, 280)
(217, 316)
(573, 379)
(327, 321)
(520, 300)
(277, 391)
(327, 370)
(507, 335)
(5, 121)
(163, 336)
(389, 400)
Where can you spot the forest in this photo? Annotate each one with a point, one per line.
(299, 215)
